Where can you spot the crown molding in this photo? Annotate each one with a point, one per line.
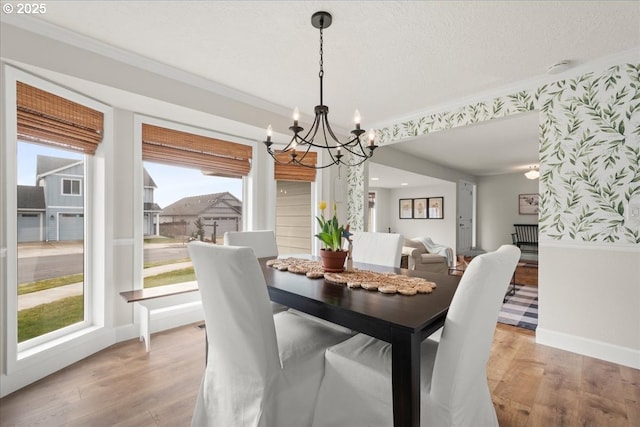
(532, 84)
(63, 35)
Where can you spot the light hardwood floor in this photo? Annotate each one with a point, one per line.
(531, 384)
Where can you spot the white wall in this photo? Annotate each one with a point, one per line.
(441, 231)
(593, 288)
(498, 208)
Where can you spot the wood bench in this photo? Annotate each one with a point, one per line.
(526, 237)
(156, 299)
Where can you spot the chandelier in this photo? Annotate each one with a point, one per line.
(320, 135)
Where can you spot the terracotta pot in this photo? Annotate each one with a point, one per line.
(333, 262)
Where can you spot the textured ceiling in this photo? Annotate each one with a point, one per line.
(389, 59)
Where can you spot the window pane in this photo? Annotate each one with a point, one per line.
(50, 232)
(182, 204)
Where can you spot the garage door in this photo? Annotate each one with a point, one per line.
(71, 226)
(29, 227)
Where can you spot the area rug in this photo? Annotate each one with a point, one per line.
(521, 309)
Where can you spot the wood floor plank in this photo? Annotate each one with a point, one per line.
(597, 410)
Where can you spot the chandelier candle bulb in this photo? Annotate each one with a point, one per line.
(356, 119)
(372, 137)
(269, 133)
(296, 116)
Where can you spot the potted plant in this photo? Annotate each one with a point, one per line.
(331, 234)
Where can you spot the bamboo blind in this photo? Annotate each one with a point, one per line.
(295, 172)
(212, 156)
(49, 119)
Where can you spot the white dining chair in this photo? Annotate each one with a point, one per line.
(377, 248)
(356, 389)
(263, 243)
(262, 369)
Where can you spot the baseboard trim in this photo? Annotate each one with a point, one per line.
(588, 347)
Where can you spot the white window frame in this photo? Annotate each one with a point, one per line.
(45, 354)
(71, 181)
(248, 183)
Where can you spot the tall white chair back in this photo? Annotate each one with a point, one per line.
(356, 389)
(459, 382)
(263, 242)
(262, 369)
(377, 248)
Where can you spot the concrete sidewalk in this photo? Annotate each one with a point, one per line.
(46, 296)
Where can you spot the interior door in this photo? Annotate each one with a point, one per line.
(465, 215)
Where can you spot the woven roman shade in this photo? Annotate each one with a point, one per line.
(212, 156)
(50, 119)
(295, 172)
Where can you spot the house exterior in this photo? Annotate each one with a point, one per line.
(31, 213)
(53, 209)
(219, 212)
(151, 223)
(62, 181)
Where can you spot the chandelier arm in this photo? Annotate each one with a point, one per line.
(309, 137)
(348, 145)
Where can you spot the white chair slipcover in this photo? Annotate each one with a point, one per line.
(262, 369)
(356, 389)
(377, 248)
(263, 243)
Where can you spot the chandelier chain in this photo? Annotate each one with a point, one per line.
(321, 74)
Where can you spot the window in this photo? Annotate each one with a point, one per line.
(71, 187)
(192, 190)
(372, 212)
(53, 145)
(51, 286)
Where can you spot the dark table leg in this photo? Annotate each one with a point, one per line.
(405, 379)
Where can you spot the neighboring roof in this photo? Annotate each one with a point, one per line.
(195, 205)
(48, 164)
(152, 207)
(31, 197)
(147, 180)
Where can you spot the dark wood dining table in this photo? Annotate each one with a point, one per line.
(403, 321)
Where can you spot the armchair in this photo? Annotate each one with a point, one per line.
(421, 259)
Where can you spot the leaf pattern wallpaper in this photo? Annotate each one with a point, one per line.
(589, 151)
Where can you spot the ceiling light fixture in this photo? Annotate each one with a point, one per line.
(299, 146)
(533, 172)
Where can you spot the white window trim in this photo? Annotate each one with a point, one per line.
(72, 180)
(26, 363)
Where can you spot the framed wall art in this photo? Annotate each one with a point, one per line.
(406, 208)
(436, 207)
(420, 208)
(528, 204)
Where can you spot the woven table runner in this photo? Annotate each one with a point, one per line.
(386, 283)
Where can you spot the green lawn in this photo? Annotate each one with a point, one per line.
(41, 285)
(171, 277)
(39, 320)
